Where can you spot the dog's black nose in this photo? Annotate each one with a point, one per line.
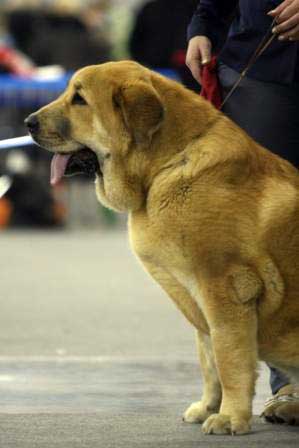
(32, 123)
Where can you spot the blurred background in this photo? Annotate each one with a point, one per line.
(41, 43)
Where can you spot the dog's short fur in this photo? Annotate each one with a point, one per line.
(213, 217)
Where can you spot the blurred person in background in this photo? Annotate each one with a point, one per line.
(266, 104)
(12, 60)
(69, 33)
(158, 37)
(120, 19)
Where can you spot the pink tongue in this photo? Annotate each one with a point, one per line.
(58, 166)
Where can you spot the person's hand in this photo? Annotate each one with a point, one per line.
(287, 18)
(198, 54)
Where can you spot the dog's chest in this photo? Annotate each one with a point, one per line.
(170, 264)
(158, 248)
(168, 255)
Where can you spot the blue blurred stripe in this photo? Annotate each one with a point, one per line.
(21, 92)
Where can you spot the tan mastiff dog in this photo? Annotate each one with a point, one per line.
(213, 217)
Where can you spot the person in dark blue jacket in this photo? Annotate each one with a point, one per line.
(266, 103)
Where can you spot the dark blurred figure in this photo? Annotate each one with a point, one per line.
(32, 201)
(158, 39)
(49, 38)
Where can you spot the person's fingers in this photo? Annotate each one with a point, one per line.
(198, 54)
(194, 66)
(287, 24)
(288, 12)
(205, 51)
(292, 34)
(196, 72)
(276, 11)
(193, 62)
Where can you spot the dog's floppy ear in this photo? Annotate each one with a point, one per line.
(141, 108)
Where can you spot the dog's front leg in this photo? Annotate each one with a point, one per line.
(210, 401)
(199, 411)
(233, 329)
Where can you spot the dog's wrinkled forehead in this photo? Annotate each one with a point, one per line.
(108, 73)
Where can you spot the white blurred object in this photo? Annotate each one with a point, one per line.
(61, 351)
(16, 142)
(17, 162)
(48, 73)
(5, 184)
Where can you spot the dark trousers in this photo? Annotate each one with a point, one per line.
(269, 113)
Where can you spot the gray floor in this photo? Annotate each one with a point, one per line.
(93, 354)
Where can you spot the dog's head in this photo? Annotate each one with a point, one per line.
(121, 122)
(95, 126)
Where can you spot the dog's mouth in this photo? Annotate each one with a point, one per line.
(83, 161)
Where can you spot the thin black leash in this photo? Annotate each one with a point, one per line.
(263, 45)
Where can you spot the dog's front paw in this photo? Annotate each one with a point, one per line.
(196, 413)
(224, 424)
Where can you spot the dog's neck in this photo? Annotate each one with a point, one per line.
(181, 125)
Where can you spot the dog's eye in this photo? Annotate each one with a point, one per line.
(78, 100)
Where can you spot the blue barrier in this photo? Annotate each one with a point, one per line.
(30, 93)
(21, 92)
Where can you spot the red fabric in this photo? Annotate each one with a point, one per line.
(15, 62)
(178, 58)
(210, 86)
